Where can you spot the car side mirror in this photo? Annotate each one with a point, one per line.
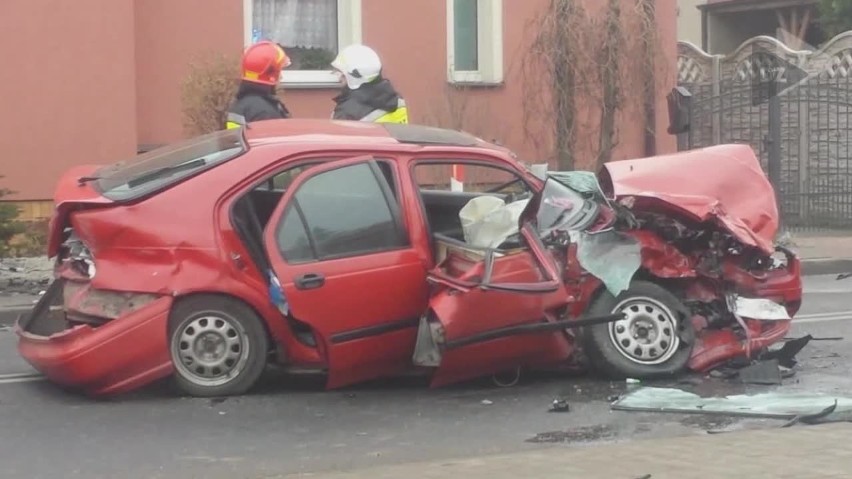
(680, 103)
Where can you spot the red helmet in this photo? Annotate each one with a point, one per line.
(263, 62)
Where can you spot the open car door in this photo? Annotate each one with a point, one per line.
(496, 310)
(485, 302)
(338, 245)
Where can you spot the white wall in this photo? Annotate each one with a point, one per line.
(689, 21)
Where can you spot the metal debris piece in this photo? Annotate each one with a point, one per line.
(758, 308)
(560, 405)
(762, 372)
(812, 418)
(786, 356)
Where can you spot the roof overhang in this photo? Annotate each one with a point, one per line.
(733, 6)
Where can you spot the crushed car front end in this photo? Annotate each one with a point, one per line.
(702, 225)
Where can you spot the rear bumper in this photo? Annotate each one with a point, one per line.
(121, 355)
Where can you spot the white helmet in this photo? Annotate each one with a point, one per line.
(359, 64)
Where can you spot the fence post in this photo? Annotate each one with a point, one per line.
(804, 151)
(774, 143)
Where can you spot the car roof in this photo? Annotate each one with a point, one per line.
(310, 130)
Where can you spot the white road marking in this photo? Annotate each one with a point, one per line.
(827, 291)
(20, 378)
(823, 317)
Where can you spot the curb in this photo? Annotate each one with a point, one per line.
(811, 267)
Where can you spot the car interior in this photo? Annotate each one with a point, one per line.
(251, 214)
(441, 206)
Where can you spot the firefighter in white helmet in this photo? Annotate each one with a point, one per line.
(366, 94)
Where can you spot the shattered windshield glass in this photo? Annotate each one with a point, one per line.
(563, 209)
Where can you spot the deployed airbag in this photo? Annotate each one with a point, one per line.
(487, 221)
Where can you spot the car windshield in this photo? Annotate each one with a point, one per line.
(561, 208)
(167, 165)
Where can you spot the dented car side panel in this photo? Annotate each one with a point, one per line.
(472, 317)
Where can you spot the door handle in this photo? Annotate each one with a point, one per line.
(310, 281)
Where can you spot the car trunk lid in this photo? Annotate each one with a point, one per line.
(74, 191)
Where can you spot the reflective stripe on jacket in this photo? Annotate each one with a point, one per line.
(234, 120)
(400, 115)
(376, 101)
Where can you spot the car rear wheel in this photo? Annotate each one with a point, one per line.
(218, 346)
(655, 338)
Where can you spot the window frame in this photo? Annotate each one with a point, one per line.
(445, 159)
(391, 201)
(349, 31)
(489, 45)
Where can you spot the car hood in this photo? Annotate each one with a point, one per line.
(723, 182)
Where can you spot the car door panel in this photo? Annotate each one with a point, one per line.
(473, 313)
(363, 307)
(365, 313)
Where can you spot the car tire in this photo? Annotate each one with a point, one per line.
(218, 346)
(654, 340)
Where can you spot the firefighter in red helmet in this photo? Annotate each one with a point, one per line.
(256, 100)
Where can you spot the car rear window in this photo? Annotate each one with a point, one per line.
(167, 165)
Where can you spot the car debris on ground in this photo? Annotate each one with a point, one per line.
(806, 406)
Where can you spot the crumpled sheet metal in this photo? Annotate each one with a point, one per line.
(724, 182)
(775, 405)
(610, 256)
(757, 308)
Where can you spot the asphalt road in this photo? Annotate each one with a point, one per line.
(291, 425)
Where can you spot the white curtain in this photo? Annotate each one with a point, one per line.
(297, 23)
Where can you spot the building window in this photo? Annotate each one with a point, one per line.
(311, 31)
(475, 41)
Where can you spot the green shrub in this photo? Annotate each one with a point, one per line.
(835, 16)
(10, 227)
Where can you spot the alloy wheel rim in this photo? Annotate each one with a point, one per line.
(210, 349)
(648, 333)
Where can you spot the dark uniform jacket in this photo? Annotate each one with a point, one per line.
(254, 103)
(376, 101)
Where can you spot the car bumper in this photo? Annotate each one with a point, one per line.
(121, 355)
(783, 286)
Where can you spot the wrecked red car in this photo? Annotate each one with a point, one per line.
(371, 250)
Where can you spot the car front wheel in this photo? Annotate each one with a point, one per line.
(655, 338)
(218, 346)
